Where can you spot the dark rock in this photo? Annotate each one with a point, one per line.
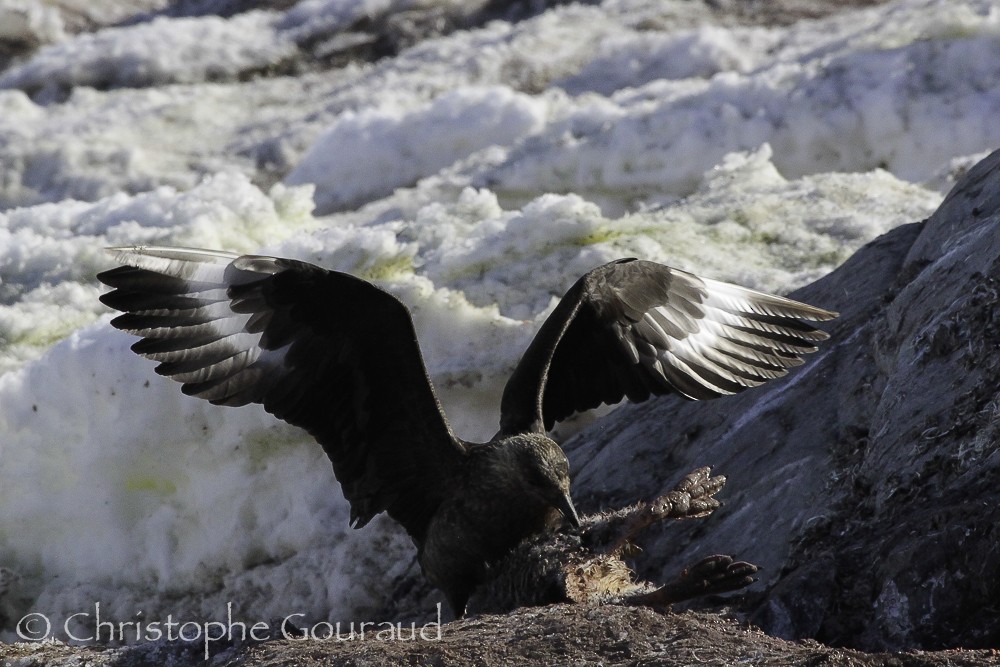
(866, 484)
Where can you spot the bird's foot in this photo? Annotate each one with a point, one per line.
(709, 576)
(693, 497)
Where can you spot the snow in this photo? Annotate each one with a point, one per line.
(156, 53)
(27, 22)
(394, 147)
(476, 175)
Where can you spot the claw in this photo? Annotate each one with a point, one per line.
(691, 498)
(709, 576)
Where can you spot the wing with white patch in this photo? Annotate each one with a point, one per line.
(633, 329)
(322, 350)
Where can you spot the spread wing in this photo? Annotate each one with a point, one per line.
(322, 350)
(636, 329)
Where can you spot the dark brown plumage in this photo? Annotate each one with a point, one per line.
(338, 356)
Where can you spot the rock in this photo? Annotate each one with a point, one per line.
(864, 484)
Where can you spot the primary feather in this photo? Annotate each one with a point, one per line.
(634, 329)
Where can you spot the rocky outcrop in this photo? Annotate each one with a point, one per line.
(865, 485)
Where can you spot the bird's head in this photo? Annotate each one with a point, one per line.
(544, 470)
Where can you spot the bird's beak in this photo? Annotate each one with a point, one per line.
(565, 505)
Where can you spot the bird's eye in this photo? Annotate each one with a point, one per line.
(538, 477)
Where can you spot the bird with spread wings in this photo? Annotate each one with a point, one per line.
(339, 357)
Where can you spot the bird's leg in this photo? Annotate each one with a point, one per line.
(692, 497)
(709, 576)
